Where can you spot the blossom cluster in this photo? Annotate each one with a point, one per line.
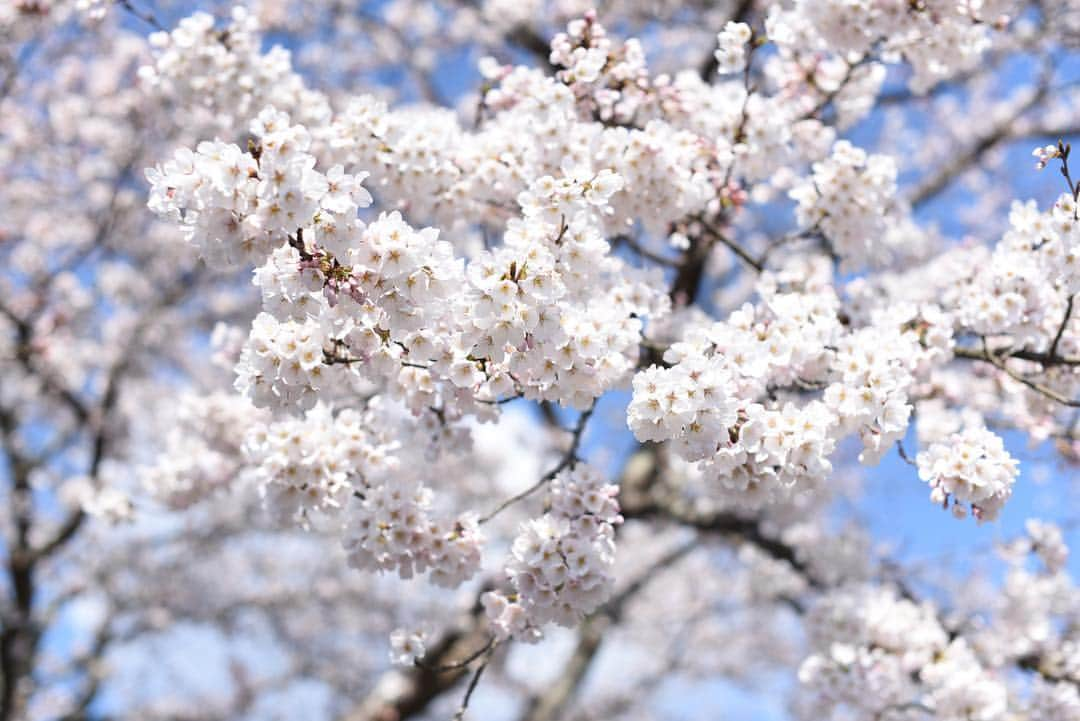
(938, 38)
(609, 77)
(221, 78)
(731, 51)
(718, 401)
(433, 169)
(878, 653)
(1032, 269)
(311, 465)
(337, 468)
(391, 528)
(236, 207)
(406, 646)
(849, 197)
(875, 369)
(202, 450)
(969, 469)
(867, 637)
(546, 308)
(560, 566)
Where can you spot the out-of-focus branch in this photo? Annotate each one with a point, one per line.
(551, 704)
(963, 160)
(1021, 354)
(145, 15)
(737, 528)
(731, 245)
(406, 694)
(21, 632)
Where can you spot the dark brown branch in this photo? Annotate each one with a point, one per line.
(999, 362)
(471, 688)
(1052, 352)
(551, 704)
(1044, 359)
(144, 15)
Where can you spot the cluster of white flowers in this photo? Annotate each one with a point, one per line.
(1009, 306)
(434, 170)
(877, 656)
(421, 162)
(754, 135)
(691, 402)
(970, 468)
(1034, 267)
(938, 38)
(376, 293)
(849, 196)
(1019, 296)
(551, 307)
(281, 365)
(1058, 243)
(312, 464)
(202, 449)
(1054, 701)
(961, 689)
(1048, 543)
(728, 399)
(679, 129)
(666, 174)
(871, 397)
(380, 299)
(236, 207)
(864, 637)
(778, 450)
(731, 51)
(221, 78)
(98, 499)
(391, 529)
(550, 314)
(560, 569)
(608, 78)
(1032, 609)
(706, 402)
(1007, 295)
(346, 467)
(1043, 155)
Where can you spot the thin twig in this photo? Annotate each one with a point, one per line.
(568, 459)
(472, 687)
(1020, 354)
(1061, 329)
(732, 246)
(144, 15)
(1064, 149)
(645, 253)
(458, 665)
(903, 454)
(1040, 389)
